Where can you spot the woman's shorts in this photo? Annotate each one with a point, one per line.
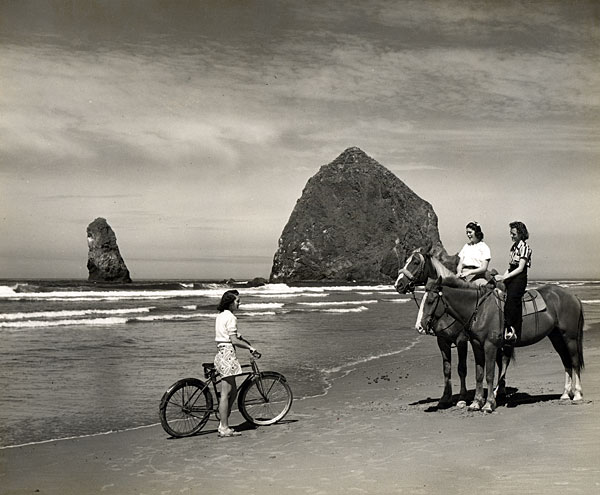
(226, 361)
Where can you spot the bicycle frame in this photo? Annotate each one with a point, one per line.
(213, 377)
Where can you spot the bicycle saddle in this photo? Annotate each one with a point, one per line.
(208, 368)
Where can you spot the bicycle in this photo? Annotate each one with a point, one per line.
(264, 399)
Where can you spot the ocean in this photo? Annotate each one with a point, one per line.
(81, 359)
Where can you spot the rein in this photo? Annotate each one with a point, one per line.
(469, 323)
(478, 304)
(430, 323)
(415, 298)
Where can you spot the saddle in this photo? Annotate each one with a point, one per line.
(532, 301)
(209, 369)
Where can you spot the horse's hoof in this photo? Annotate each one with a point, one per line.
(577, 398)
(488, 408)
(475, 406)
(565, 396)
(461, 404)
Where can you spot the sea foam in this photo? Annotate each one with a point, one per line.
(67, 314)
(255, 306)
(58, 323)
(339, 303)
(360, 309)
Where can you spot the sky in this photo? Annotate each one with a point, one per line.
(193, 126)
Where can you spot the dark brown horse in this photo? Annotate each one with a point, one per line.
(479, 310)
(419, 267)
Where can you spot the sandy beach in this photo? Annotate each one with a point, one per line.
(376, 431)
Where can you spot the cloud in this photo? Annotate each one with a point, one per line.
(198, 126)
(176, 106)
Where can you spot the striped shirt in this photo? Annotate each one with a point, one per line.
(520, 250)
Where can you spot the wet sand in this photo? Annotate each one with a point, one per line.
(377, 431)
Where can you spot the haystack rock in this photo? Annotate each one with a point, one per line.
(355, 221)
(105, 263)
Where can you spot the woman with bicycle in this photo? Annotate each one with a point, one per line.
(226, 362)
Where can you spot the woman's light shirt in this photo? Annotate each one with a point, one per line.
(225, 326)
(475, 254)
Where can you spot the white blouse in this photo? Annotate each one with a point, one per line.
(475, 254)
(225, 326)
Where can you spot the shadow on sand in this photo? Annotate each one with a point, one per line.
(512, 398)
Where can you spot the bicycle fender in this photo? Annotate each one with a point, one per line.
(273, 373)
(184, 380)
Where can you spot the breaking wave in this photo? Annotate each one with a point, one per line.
(339, 303)
(71, 313)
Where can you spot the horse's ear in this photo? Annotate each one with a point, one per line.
(426, 248)
(439, 280)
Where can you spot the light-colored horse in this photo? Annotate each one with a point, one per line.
(479, 310)
(420, 266)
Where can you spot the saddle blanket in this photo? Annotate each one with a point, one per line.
(533, 302)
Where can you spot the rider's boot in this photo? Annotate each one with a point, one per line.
(510, 335)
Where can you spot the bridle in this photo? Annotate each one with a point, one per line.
(410, 276)
(432, 321)
(416, 276)
(448, 310)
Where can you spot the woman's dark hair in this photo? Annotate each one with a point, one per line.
(227, 299)
(476, 228)
(521, 229)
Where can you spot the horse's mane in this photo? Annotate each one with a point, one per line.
(441, 269)
(458, 283)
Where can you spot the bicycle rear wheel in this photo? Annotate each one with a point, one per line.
(185, 407)
(265, 399)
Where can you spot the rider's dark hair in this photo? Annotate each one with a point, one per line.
(521, 229)
(227, 299)
(476, 228)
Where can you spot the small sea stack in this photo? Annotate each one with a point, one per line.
(105, 263)
(354, 221)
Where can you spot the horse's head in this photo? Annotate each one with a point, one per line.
(412, 273)
(432, 308)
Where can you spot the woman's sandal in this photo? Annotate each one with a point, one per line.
(228, 433)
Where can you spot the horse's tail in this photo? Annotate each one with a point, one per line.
(580, 336)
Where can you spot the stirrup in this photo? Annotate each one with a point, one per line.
(510, 335)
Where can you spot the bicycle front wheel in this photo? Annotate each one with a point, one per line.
(265, 399)
(185, 407)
